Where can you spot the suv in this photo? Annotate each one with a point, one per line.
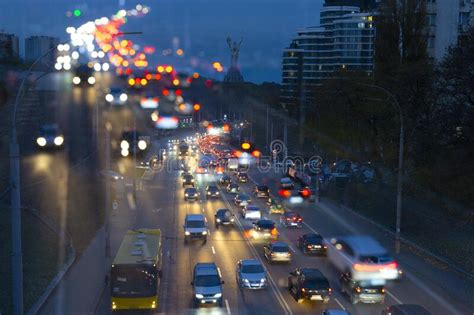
(195, 227)
(309, 284)
(207, 284)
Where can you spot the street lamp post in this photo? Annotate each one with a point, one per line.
(401, 145)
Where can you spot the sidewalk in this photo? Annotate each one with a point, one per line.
(78, 291)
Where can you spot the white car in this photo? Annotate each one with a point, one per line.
(363, 257)
(251, 212)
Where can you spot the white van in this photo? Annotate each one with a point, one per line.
(363, 257)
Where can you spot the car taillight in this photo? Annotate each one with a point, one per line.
(300, 219)
(358, 289)
(308, 246)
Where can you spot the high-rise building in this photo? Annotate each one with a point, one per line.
(446, 21)
(9, 48)
(37, 46)
(343, 40)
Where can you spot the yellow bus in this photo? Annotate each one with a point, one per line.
(136, 271)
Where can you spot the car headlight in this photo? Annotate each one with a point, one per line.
(142, 144)
(124, 145)
(124, 152)
(218, 220)
(218, 295)
(192, 180)
(91, 80)
(76, 80)
(199, 296)
(41, 141)
(186, 195)
(109, 97)
(123, 97)
(204, 232)
(208, 192)
(59, 140)
(217, 192)
(246, 281)
(263, 280)
(187, 233)
(231, 219)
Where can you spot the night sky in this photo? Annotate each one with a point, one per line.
(200, 27)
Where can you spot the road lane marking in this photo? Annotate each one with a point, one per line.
(275, 289)
(394, 297)
(340, 304)
(131, 202)
(227, 306)
(213, 250)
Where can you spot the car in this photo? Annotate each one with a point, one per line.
(207, 284)
(116, 96)
(286, 183)
(233, 188)
(188, 180)
(224, 217)
(242, 199)
(291, 218)
(309, 284)
(149, 101)
(250, 274)
(312, 244)
(264, 229)
(366, 291)
(132, 141)
(184, 174)
(405, 309)
(201, 170)
(195, 228)
(251, 212)
(275, 206)
(277, 252)
(49, 137)
(212, 192)
(191, 193)
(335, 312)
(261, 191)
(363, 257)
(242, 177)
(112, 175)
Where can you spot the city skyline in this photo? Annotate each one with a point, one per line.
(197, 28)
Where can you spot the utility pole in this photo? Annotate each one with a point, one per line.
(134, 159)
(108, 127)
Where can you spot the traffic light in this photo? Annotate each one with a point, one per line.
(197, 107)
(77, 13)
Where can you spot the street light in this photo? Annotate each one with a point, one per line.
(396, 105)
(17, 256)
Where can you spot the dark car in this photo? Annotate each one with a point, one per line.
(242, 199)
(191, 193)
(50, 137)
(291, 218)
(223, 217)
(362, 291)
(261, 191)
(133, 141)
(233, 188)
(264, 229)
(188, 180)
(312, 244)
(309, 284)
(212, 192)
(405, 309)
(225, 180)
(242, 177)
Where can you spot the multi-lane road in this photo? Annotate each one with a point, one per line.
(66, 178)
